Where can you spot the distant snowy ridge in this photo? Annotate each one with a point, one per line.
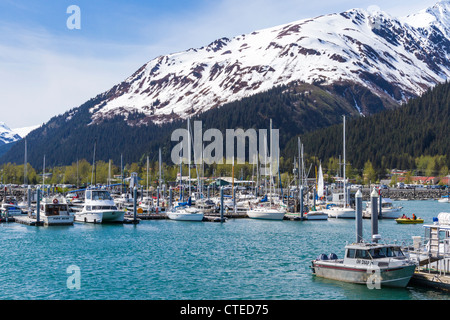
(395, 58)
(7, 135)
(23, 132)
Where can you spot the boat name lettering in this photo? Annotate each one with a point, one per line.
(360, 261)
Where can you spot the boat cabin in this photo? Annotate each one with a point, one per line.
(54, 207)
(366, 253)
(97, 195)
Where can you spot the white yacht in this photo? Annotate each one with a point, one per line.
(388, 210)
(99, 207)
(371, 264)
(55, 211)
(340, 212)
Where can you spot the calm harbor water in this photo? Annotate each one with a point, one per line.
(172, 260)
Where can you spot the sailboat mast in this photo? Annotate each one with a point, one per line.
(147, 177)
(189, 156)
(345, 192)
(25, 167)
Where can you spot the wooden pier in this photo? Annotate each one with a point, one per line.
(431, 279)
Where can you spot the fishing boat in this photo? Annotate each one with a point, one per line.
(55, 211)
(99, 207)
(371, 264)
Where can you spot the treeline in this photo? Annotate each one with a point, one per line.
(82, 172)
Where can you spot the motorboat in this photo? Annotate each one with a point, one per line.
(9, 208)
(388, 210)
(340, 212)
(444, 199)
(99, 207)
(372, 264)
(54, 210)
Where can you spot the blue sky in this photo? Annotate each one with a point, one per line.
(47, 69)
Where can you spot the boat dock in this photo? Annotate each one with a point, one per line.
(29, 221)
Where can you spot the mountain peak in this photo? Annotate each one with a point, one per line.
(391, 57)
(7, 135)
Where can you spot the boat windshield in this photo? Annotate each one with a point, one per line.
(386, 252)
(98, 195)
(376, 253)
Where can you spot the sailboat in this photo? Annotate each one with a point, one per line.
(315, 213)
(268, 210)
(344, 211)
(185, 211)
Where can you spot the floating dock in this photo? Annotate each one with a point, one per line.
(29, 221)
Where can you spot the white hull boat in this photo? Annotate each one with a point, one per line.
(388, 210)
(444, 200)
(316, 215)
(340, 213)
(266, 213)
(55, 211)
(371, 264)
(185, 214)
(99, 207)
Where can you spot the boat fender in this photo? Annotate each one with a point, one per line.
(55, 201)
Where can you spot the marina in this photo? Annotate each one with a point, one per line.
(216, 256)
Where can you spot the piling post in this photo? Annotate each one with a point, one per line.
(157, 197)
(221, 204)
(374, 214)
(380, 199)
(38, 206)
(314, 198)
(170, 197)
(134, 203)
(302, 209)
(29, 199)
(359, 223)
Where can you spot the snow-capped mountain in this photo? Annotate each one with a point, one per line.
(395, 58)
(7, 135)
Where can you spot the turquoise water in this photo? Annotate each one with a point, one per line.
(171, 260)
